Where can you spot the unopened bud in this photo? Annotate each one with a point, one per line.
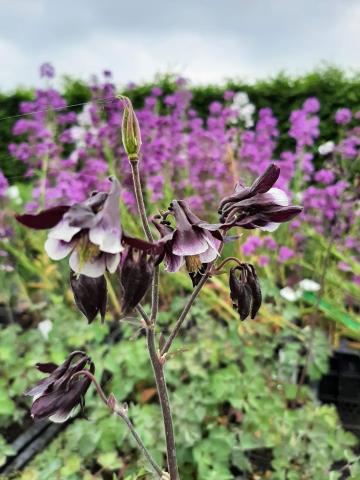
(245, 290)
(130, 131)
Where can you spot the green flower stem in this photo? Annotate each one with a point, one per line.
(122, 413)
(189, 304)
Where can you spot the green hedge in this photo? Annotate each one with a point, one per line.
(333, 87)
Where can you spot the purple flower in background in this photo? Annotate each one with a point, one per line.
(47, 70)
(57, 396)
(311, 105)
(325, 176)
(258, 206)
(89, 230)
(343, 116)
(285, 254)
(251, 244)
(3, 184)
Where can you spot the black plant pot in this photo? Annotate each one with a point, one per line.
(341, 386)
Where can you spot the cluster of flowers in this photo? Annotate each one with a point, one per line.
(91, 233)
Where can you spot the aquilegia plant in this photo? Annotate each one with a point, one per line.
(90, 233)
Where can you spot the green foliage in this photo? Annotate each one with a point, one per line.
(233, 392)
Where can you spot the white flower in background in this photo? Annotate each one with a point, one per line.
(326, 148)
(240, 100)
(308, 285)
(45, 328)
(243, 109)
(290, 294)
(305, 285)
(13, 193)
(84, 117)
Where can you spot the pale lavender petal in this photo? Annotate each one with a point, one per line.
(188, 242)
(93, 269)
(57, 249)
(63, 231)
(108, 239)
(173, 263)
(107, 231)
(112, 261)
(209, 256)
(211, 240)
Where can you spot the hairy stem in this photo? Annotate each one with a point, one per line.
(123, 415)
(158, 368)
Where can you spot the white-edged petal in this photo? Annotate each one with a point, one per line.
(108, 240)
(270, 227)
(92, 269)
(57, 249)
(61, 416)
(208, 256)
(278, 196)
(112, 261)
(63, 231)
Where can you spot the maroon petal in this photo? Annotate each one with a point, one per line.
(152, 248)
(282, 214)
(46, 367)
(45, 219)
(263, 183)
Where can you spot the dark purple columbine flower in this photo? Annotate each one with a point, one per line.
(258, 206)
(245, 290)
(57, 396)
(90, 295)
(89, 230)
(193, 239)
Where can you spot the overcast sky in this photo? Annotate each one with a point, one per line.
(204, 40)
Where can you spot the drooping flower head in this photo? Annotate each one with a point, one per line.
(90, 231)
(90, 295)
(136, 274)
(194, 240)
(57, 396)
(258, 206)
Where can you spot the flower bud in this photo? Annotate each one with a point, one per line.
(130, 130)
(245, 290)
(90, 295)
(136, 275)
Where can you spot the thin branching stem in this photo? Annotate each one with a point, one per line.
(122, 413)
(187, 307)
